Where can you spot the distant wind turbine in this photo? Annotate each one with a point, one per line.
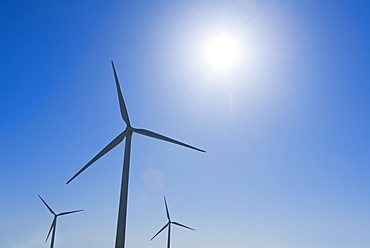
(169, 226)
(127, 133)
(54, 223)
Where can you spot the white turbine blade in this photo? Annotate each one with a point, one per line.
(175, 223)
(51, 228)
(160, 231)
(46, 205)
(106, 149)
(161, 137)
(167, 212)
(70, 212)
(122, 105)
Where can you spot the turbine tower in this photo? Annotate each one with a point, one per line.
(169, 226)
(54, 223)
(127, 133)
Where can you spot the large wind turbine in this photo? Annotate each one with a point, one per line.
(54, 223)
(127, 133)
(169, 225)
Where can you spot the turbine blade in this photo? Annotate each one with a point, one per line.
(161, 137)
(106, 149)
(51, 228)
(122, 105)
(175, 223)
(46, 205)
(167, 212)
(160, 231)
(70, 212)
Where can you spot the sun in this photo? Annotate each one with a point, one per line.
(222, 52)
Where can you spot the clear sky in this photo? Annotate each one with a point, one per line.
(287, 130)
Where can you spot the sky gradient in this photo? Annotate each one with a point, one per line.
(286, 132)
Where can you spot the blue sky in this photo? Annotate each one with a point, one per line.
(286, 132)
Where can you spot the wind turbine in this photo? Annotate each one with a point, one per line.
(127, 133)
(54, 223)
(169, 226)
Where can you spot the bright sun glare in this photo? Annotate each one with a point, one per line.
(222, 52)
